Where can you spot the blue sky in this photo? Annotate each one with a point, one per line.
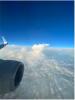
(27, 23)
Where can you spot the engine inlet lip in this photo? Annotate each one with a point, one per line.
(18, 74)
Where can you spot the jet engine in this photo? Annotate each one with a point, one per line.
(11, 73)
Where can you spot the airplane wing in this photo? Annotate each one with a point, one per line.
(4, 40)
(4, 43)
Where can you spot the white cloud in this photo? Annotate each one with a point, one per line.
(37, 49)
(40, 46)
(48, 71)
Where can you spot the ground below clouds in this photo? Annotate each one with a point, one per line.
(48, 72)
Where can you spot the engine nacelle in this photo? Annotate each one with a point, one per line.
(11, 73)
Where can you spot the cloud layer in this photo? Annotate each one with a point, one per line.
(48, 71)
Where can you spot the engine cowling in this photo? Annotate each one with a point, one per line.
(11, 73)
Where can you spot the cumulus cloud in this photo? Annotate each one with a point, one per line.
(48, 71)
(38, 48)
